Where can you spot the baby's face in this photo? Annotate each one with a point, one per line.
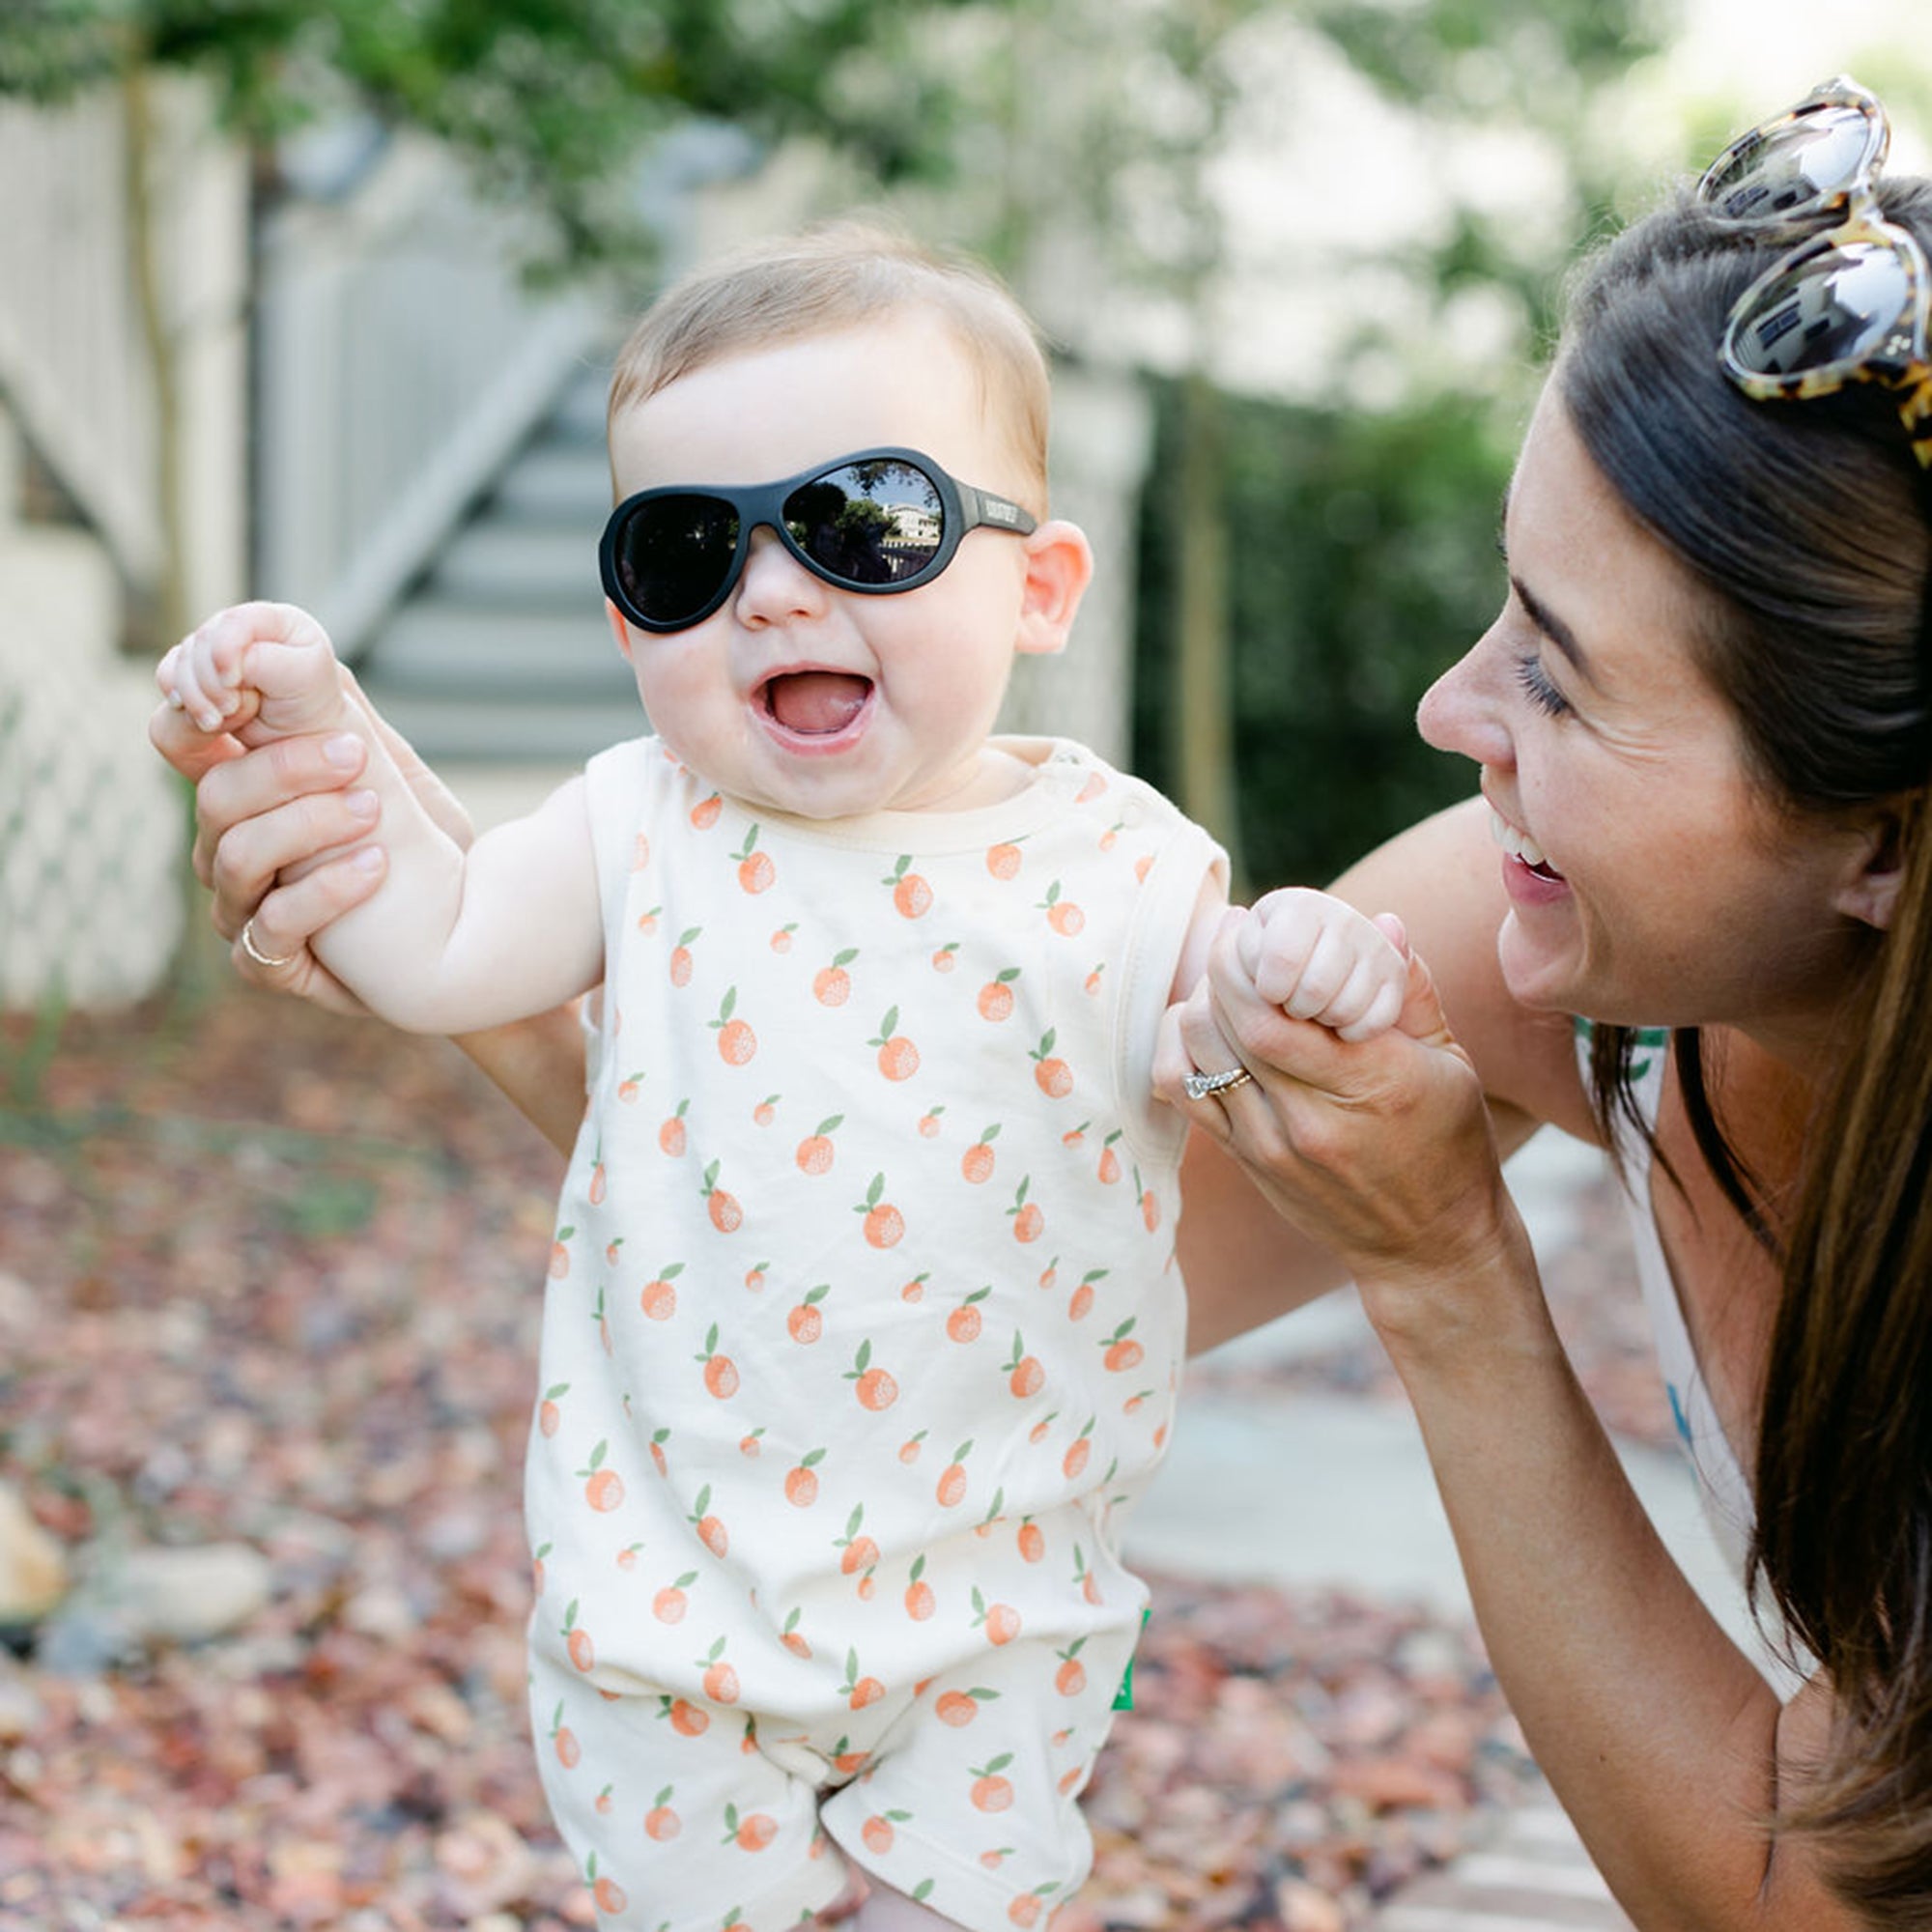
(797, 695)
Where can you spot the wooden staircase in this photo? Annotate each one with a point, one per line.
(500, 653)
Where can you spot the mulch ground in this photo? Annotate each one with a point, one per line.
(272, 1278)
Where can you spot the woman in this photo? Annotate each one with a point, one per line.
(1704, 737)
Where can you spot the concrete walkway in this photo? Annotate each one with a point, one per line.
(1346, 1484)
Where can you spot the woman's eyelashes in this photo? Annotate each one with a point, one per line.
(1535, 681)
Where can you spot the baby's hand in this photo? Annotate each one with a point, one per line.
(1318, 958)
(270, 658)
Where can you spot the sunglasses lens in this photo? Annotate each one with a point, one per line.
(1834, 307)
(879, 522)
(1796, 169)
(673, 555)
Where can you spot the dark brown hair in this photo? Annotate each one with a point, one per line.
(1810, 527)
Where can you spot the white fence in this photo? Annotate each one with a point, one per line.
(76, 353)
(401, 362)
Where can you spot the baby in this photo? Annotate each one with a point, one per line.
(863, 1328)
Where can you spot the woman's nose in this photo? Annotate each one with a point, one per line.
(775, 586)
(1461, 711)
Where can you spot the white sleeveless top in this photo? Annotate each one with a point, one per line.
(867, 1243)
(1722, 1484)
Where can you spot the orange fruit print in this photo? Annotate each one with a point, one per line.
(603, 1488)
(990, 1791)
(608, 1894)
(911, 897)
(1053, 1077)
(976, 1164)
(1026, 1219)
(816, 1151)
(736, 1041)
(659, 1298)
(898, 1057)
(721, 1373)
(874, 1388)
(1062, 914)
(720, 1681)
(661, 1822)
(832, 986)
(756, 870)
(727, 1215)
(680, 958)
(884, 1224)
(996, 996)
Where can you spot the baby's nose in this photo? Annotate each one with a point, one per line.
(776, 585)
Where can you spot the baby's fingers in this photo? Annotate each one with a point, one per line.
(1369, 1009)
(191, 680)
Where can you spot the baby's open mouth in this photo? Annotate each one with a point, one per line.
(816, 703)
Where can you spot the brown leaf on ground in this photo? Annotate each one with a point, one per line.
(271, 1279)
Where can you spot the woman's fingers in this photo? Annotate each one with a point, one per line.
(283, 923)
(285, 842)
(272, 807)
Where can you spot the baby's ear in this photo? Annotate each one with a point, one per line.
(1059, 567)
(619, 630)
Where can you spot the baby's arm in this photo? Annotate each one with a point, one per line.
(452, 941)
(1318, 958)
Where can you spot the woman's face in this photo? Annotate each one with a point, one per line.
(1650, 880)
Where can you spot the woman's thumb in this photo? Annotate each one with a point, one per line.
(1422, 1017)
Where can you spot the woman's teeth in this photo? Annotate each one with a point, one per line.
(1521, 846)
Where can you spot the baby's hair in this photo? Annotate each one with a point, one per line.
(841, 276)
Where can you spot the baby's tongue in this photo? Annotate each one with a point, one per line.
(816, 701)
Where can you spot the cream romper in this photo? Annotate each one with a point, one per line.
(863, 1331)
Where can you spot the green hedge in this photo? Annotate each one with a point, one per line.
(1362, 551)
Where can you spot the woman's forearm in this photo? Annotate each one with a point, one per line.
(538, 1064)
(1660, 1735)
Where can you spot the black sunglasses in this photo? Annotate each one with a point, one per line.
(884, 520)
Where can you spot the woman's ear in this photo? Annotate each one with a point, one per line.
(1059, 567)
(1869, 893)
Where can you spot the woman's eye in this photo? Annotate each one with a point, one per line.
(1543, 694)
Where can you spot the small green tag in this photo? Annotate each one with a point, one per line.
(1123, 1698)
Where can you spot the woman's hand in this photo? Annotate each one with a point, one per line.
(282, 837)
(1380, 1150)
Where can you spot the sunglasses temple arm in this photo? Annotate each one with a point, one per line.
(1916, 413)
(982, 508)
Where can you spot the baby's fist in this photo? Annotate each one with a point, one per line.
(1318, 958)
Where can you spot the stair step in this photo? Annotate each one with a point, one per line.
(561, 482)
(509, 731)
(441, 648)
(580, 410)
(502, 560)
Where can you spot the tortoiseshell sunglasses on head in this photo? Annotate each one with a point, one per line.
(1848, 305)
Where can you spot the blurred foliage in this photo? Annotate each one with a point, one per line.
(548, 100)
(1363, 562)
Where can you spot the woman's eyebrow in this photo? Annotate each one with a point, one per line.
(1541, 614)
(1554, 628)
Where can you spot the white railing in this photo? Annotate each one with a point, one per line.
(73, 356)
(401, 360)
(78, 356)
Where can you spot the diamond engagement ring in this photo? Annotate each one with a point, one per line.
(255, 953)
(1198, 1086)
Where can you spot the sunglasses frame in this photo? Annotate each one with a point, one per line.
(1900, 360)
(756, 505)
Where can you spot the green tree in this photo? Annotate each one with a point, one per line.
(549, 101)
(1151, 102)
